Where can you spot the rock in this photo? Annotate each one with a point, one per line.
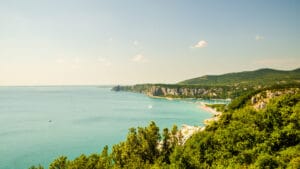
(187, 131)
(262, 105)
(253, 100)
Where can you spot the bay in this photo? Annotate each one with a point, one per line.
(38, 124)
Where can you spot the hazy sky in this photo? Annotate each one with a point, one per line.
(63, 42)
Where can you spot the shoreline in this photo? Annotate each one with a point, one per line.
(185, 98)
(216, 114)
(188, 131)
(204, 106)
(160, 97)
(201, 105)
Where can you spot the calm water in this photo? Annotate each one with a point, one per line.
(38, 124)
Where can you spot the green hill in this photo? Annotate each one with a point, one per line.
(262, 77)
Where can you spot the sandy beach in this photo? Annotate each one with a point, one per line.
(187, 131)
(203, 106)
(216, 114)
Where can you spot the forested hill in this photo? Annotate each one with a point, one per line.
(249, 78)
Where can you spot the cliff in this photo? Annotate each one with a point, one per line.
(260, 100)
(180, 91)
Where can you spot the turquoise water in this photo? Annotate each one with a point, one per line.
(38, 124)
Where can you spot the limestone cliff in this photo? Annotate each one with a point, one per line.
(177, 91)
(260, 100)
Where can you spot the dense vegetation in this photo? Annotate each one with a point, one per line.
(262, 77)
(243, 138)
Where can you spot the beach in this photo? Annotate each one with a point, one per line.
(187, 131)
(216, 114)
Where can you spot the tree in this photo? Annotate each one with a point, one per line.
(59, 163)
(38, 167)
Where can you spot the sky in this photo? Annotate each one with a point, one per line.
(95, 42)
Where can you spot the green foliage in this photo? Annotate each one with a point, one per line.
(138, 149)
(242, 138)
(245, 137)
(38, 167)
(59, 163)
(266, 161)
(242, 100)
(218, 107)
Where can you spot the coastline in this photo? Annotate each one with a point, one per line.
(213, 111)
(185, 98)
(202, 105)
(187, 131)
(216, 114)
(160, 97)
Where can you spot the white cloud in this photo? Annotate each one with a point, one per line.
(259, 37)
(101, 59)
(75, 66)
(60, 61)
(108, 64)
(77, 60)
(135, 43)
(201, 44)
(104, 61)
(139, 58)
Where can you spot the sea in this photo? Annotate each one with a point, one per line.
(40, 123)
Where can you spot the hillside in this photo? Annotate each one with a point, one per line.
(248, 78)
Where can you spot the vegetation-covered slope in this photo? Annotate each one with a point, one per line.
(261, 77)
(248, 138)
(244, 137)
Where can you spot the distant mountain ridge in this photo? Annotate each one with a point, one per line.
(264, 76)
